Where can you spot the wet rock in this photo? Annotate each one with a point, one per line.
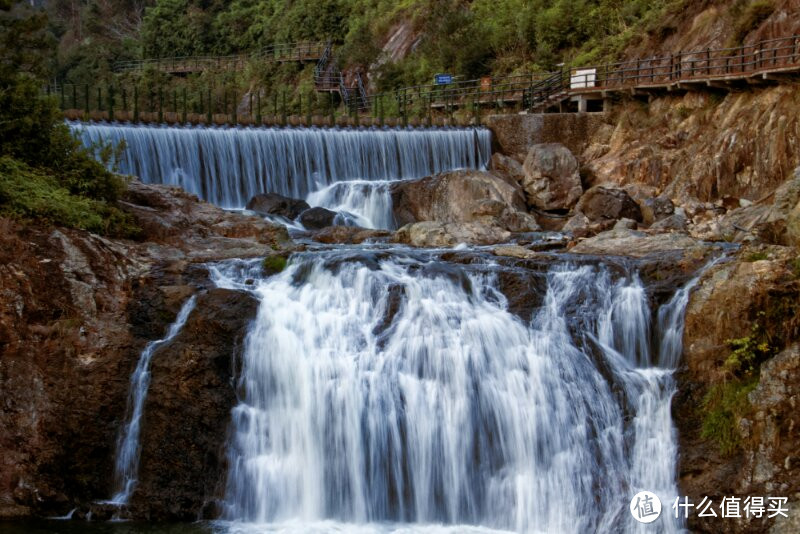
(604, 203)
(170, 217)
(275, 204)
(437, 234)
(349, 235)
(514, 251)
(75, 313)
(551, 180)
(317, 218)
(621, 242)
(188, 407)
(462, 197)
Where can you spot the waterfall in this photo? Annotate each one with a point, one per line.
(228, 166)
(126, 468)
(391, 391)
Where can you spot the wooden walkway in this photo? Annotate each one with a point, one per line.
(769, 61)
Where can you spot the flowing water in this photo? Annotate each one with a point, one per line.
(228, 166)
(126, 467)
(395, 392)
(390, 390)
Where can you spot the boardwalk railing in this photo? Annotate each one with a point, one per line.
(300, 51)
(723, 64)
(533, 91)
(773, 58)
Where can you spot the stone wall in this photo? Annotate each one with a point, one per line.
(513, 135)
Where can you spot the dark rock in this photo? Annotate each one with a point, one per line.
(604, 203)
(188, 408)
(317, 218)
(349, 234)
(275, 204)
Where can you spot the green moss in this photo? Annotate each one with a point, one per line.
(33, 194)
(273, 264)
(795, 263)
(756, 256)
(725, 405)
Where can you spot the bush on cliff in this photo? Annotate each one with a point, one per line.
(45, 174)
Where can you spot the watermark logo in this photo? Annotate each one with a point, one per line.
(645, 507)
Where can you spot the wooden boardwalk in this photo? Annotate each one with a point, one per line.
(573, 89)
(768, 61)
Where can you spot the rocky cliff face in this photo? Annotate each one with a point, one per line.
(77, 309)
(738, 426)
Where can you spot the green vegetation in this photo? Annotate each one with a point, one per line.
(469, 39)
(273, 264)
(44, 172)
(726, 403)
(757, 256)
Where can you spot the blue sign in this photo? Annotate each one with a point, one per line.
(443, 79)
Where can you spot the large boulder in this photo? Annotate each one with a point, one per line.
(610, 204)
(438, 234)
(188, 409)
(624, 242)
(551, 179)
(317, 218)
(275, 204)
(462, 197)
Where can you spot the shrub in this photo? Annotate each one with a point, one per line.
(29, 193)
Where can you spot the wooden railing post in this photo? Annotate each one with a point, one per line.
(381, 111)
(210, 112)
(110, 95)
(258, 107)
(708, 61)
(74, 96)
(135, 103)
(235, 110)
(160, 105)
(86, 100)
(283, 107)
(63, 99)
(183, 116)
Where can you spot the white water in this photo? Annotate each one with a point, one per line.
(126, 468)
(449, 414)
(228, 166)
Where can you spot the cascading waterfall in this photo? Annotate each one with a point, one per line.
(392, 391)
(126, 468)
(228, 166)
